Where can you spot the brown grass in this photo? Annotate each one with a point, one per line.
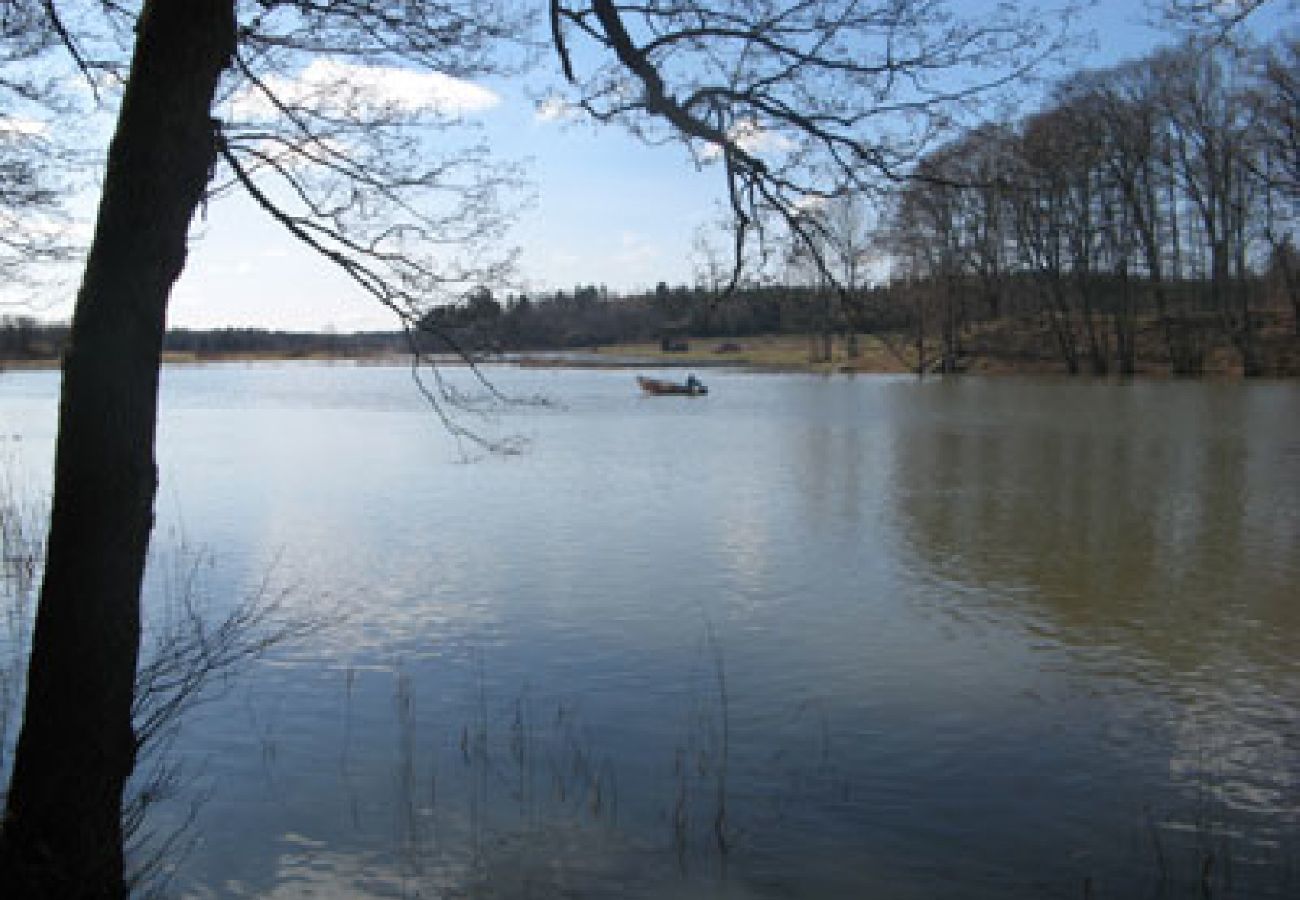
(996, 348)
(778, 353)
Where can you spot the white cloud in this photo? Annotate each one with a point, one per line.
(48, 227)
(635, 251)
(752, 137)
(809, 203)
(332, 86)
(22, 127)
(557, 109)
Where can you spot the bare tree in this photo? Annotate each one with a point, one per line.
(1277, 131)
(1279, 93)
(798, 102)
(1166, 183)
(1218, 20)
(955, 227)
(1128, 119)
(849, 228)
(1081, 179)
(1209, 124)
(256, 87)
(987, 157)
(927, 239)
(806, 265)
(32, 183)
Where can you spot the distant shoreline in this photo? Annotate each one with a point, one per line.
(771, 353)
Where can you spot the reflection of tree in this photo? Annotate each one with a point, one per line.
(1104, 522)
(1142, 531)
(832, 455)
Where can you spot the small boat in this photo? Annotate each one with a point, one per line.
(692, 387)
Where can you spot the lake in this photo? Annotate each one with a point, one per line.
(804, 637)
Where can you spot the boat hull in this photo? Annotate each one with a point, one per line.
(658, 387)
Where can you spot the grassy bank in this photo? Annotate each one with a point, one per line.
(997, 348)
(777, 353)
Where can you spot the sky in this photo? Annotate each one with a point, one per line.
(606, 210)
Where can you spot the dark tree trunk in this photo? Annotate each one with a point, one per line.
(1062, 321)
(62, 834)
(1098, 341)
(920, 329)
(1125, 332)
(948, 333)
(1291, 281)
(852, 348)
(1285, 263)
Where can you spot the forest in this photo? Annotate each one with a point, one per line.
(1142, 220)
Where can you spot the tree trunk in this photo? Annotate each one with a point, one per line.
(1125, 332)
(949, 330)
(920, 330)
(62, 834)
(1061, 319)
(1098, 343)
(1247, 343)
(852, 349)
(1291, 282)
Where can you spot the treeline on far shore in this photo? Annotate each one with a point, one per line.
(1016, 334)
(1144, 219)
(581, 318)
(24, 338)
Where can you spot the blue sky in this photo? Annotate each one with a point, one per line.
(607, 210)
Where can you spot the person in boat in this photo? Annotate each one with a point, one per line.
(693, 384)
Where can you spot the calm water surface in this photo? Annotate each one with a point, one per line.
(801, 638)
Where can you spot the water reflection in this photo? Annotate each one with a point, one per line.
(1123, 522)
(954, 638)
(1148, 530)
